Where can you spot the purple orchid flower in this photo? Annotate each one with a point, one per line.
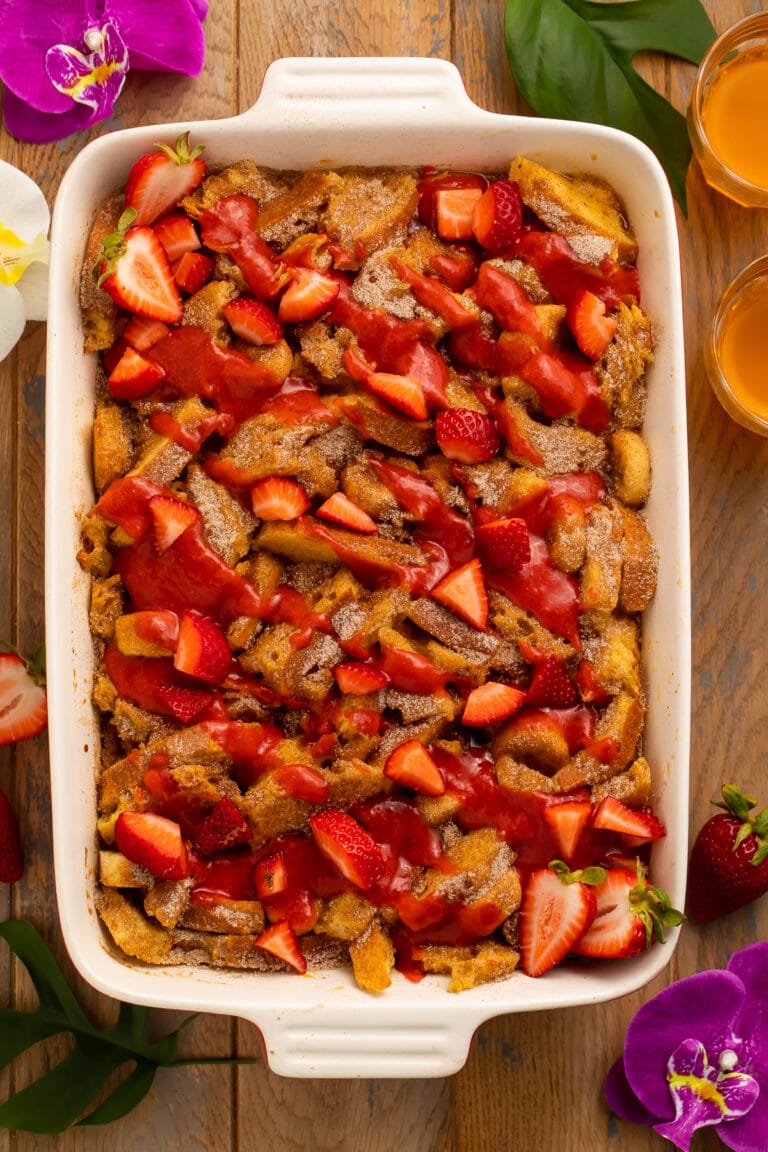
(696, 1055)
(64, 65)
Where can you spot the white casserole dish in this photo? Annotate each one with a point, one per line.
(328, 113)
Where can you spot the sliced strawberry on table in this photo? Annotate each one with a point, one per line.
(270, 876)
(192, 272)
(253, 320)
(177, 234)
(280, 940)
(402, 392)
(134, 376)
(347, 844)
(170, 517)
(154, 841)
(504, 543)
(630, 915)
(592, 329)
(463, 591)
(202, 650)
(557, 908)
(498, 216)
(490, 703)
(466, 436)
(308, 295)
(411, 765)
(11, 854)
(278, 498)
(136, 273)
(23, 701)
(566, 820)
(638, 825)
(358, 679)
(302, 782)
(224, 827)
(728, 868)
(341, 510)
(141, 332)
(159, 180)
(454, 212)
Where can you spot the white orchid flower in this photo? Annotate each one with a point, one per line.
(24, 222)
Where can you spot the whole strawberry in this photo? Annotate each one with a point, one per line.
(11, 859)
(729, 862)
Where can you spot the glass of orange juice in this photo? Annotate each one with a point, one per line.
(737, 351)
(728, 113)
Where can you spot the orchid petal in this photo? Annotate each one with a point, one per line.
(165, 37)
(28, 124)
(27, 30)
(622, 1100)
(703, 1094)
(33, 288)
(23, 207)
(200, 8)
(12, 319)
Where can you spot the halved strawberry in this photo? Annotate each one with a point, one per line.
(136, 273)
(558, 907)
(270, 877)
(170, 517)
(224, 827)
(630, 915)
(278, 498)
(141, 332)
(463, 591)
(358, 679)
(639, 825)
(202, 650)
(184, 703)
(466, 436)
(498, 216)
(154, 841)
(342, 510)
(302, 782)
(566, 821)
(550, 686)
(412, 766)
(402, 392)
(192, 272)
(23, 702)
(11, 854)
(454, 212)
(134, 376)
(592, 329)
(159, 180)
(177, 234)
(491, 702)
(280, 940)
(309, 293)
(345, 842)
(253, 321)
(504, 543)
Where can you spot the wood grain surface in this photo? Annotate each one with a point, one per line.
(532, 1082)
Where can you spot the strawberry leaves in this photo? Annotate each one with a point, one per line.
(573, 60)
(60, 1096)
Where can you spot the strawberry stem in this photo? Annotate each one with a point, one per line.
(740, 806)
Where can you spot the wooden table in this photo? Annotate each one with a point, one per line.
(531, 1081)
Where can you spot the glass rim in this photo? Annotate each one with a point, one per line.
(753, 273)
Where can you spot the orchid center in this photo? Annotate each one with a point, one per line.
(16, 254)
(96, 77)
(704, 1093)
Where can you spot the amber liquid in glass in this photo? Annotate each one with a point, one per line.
(735, 116)
(743, 349)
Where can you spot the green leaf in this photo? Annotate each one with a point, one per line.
(125, 1097)
(56, 1099)
(573, 60)
(47, 977)
(20, 1030)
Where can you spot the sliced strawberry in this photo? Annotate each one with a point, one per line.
(134, 376)
(154, 841)
(504, 543)
(182, 702)
(590, 688)
(345, 842)
(551, 686)
(591, 328)
(566, 821)
(159, 180)
(224, 827)
(463, 591)
(454, 212)
(341, 510)
(11, 854)
(412, 766)
(23, 702)
(308, 295)
(467, 436)
(630, 915)
(558, 907)
(253, 321)
(640, 825)
(302, 782)
(279, 939)
(202, 650)
(402, 392)
(358, 679)
(136, 273)
(192, 272)
(498, 216)
(141, 332)
(491, 702)
(177, 234)
(278, 498)
(270, 877)
(170, 517)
